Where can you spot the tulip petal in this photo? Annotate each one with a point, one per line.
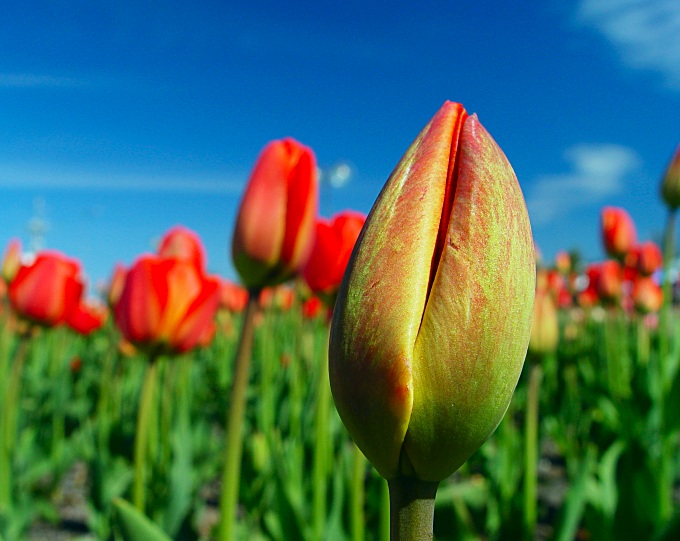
(377, 319)
(475, 329)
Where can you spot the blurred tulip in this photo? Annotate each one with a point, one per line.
(12, 260)
(606, 280)
(545, 328)
(433, 316)
(645, 258)
(670, 185)
(47, 290)
(618, 232)
(275, 224)
(563, 262)
(233, 297)
(166, 305)
(116, 284)
(647, 295)
(87, 317)
(312, 307)
(333, 244)
(182, 243)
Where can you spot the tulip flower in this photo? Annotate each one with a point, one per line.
(275, 224)
(645, 258)
(47, 290)
(647, 295)
(12, 260)
(233, 297)
(166, 304)
(433, 317)
(87, 317)
(670, 185)
(333, 244)
(545, 329)
(618, 232)
(182, 243)
(563, 262)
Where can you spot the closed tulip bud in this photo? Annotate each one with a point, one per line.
(670, 185)
(618, 232)
(433, 317)
(47, 290)
(646, 258)
(275, 224)
(545, 329)
(12, 260)
(183, 243)
(647, 295)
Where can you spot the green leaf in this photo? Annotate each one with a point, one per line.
(135, 526)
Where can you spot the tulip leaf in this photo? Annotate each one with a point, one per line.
(134, 525)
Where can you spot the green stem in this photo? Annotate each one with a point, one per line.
(145, 413)
(321, 442)
(384, 530)
(665, 330)
(234, 435)
(412, 509)
(357, 519)
(8, 426)
(531, 450)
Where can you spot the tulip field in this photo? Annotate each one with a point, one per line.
(411, 374)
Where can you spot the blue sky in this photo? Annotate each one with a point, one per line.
(121, 119)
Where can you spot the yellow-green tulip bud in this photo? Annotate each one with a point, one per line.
(670, 185)
(433, 316)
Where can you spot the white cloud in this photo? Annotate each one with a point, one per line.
(597, 172)
(28, 177)
(31, 80)
(646, 33)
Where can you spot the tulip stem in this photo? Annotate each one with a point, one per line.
(234, 435)
(531, 450)
(412, 509)
(145, 412)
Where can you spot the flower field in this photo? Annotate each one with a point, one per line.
(192, 408)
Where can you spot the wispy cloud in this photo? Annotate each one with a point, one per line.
(646, 33)
(14, 176)
(32, 80)
(597, 172)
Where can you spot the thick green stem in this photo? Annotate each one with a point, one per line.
(412, 509)
(234, 435)
(145, 414)
(531, 450)
(665, 329)
(357, 495)
(384, 531)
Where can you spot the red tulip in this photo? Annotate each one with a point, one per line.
(87, 317)
(166, 304)
(312, 307)
(233, 297)
(618, 232)
(606, 279)
(645, 258)
(333, 245)
(182, 243)
(647, 295)
(275, 224)
(116, 284)
(47, 290)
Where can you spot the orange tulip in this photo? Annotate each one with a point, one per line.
(333, 244)
(645, 258)
(166, 305)
(618, 232)
(233, 297)
(275, 224)
(12, 260)
(182, 243)
(433, 316)
(647, 295)
(47, 290)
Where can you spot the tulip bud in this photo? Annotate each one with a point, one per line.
(433, 316)
(545, 332)
(183, 243)
(618, 232)
(647, 295)
(670, 185)
(275, 224)
(12, 260)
